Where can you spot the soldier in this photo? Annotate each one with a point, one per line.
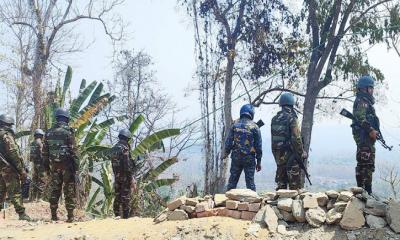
(123, 168)
(12, 173)
(36, 157)
(365, 132)
(60, 159)
(244, 141)
(286, 144)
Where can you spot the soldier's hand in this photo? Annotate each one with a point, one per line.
(258, 167)
(373, 135)
(304, 155)
(23, 176)
(133, 185)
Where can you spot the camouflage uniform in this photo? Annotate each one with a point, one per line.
(364, 112)
(9, 180)
(244, 141)
(123, 168)
(60, 158)
(39, 176)
(286, 141)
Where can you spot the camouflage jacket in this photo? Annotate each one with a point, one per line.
(36, 153)
(285, 131)
(122, 163)
(59, 147)
(365, 115)
(244, 138)
(9, 149)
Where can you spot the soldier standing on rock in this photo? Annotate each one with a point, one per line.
(13, 172)
(244, 141)
(36, 157)
(365, 132)
(123, 168)
(287, 144)
(60, 159)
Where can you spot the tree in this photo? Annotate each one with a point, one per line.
(50, 25)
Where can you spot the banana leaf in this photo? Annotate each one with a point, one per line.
(135, 125)
(22, 134)
(154, 185)
(67, 83)
(77, 103)
(82, 86)
(96, 94)
(91, 111)
(154, 173)
(149, 141)
(92, 199)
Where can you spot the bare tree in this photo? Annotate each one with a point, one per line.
(389, 173)
(51, 24)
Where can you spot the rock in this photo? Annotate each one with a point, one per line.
(230, 204)
(191, 202)
(281, 222)
(285, 204)
(357, 190)
(243, 206)
(268, 195)
(310, 201)
(249, 216)
(234, 214)
(277, 212)
(322, 199)
(333, 217)
(259, 218)
(353, 217)
(282, 230)
(298, 211)
(375, 208)
(220, 200)
(203, 206)
(243, 195)
(254, 207)
(253, 229)
(340, 206)
(345, 196)
(315, 217)
(270, 219)
(393, 215)
(283, 193)
(188, 209)
(332, 194)
(161, 217)
(375, 222)
(330, 204)
(177, 215)
(176, 203)
(287, 216)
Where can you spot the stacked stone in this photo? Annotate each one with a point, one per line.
(351, 209)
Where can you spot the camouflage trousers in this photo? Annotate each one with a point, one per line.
(11, 185)
(62, 179)
(39, 179)
(287, 170)
(242, 163)
(365, 166)
(122, 199)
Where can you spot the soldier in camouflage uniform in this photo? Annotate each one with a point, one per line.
(10, 180)
(286, 144)
(123, 168)
(365, 132)
(36, 157)
(244, 141)
(60, 159)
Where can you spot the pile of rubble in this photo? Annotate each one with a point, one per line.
(351, 209)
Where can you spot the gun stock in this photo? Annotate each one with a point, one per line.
(260, 123)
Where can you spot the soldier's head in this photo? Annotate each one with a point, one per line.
(286, 99)
(62, 115)
(125, 134)
(39, 133)
(366, 84)
(247, 110)
(6, 120)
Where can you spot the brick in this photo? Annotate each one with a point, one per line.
(223, 212)
(231, 204)
(246, 215)
(234, 214)
(201, 207)
(254, 207)
(192, 202)
(176, 203)
(208, 213)
(243, 206)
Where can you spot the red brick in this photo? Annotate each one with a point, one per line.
(234, 214)
(243, 206)
(254, 207)
(248, 215)
(208, 213)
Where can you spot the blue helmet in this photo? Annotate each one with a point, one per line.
(286, 99)
(365, 82)
(247, 110)
(60, 112)
(125, 133)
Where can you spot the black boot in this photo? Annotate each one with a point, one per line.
(368, 188)
(125, 214)
(70, 216)
(54, 214)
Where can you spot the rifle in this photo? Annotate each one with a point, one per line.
(13, 167)
(380, 139)
(300, 161)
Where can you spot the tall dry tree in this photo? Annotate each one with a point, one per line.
(51, 23)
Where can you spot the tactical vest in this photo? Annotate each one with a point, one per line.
(119, 167)
(243, 138)
(370, 117)
(2, 147)
(35, 153)
(280, 130)
(57, 140)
